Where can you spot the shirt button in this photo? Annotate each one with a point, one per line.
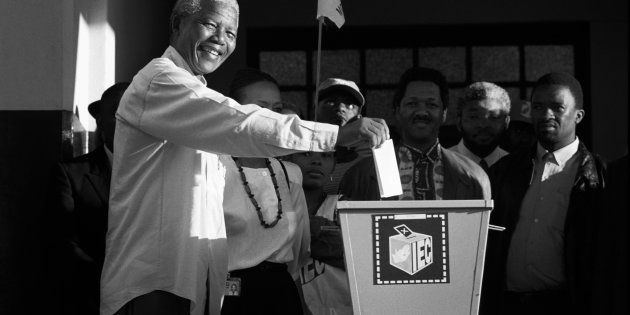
(536, 220)
(264, 173)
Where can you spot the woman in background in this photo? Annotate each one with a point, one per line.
(265, 217)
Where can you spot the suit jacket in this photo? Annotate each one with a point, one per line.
(80, 194)
(463, 179)
(510, 181)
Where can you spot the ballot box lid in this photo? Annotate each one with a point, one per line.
(468, 205)
(391, 272)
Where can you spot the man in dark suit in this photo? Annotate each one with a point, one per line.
(547, 198)
(427, 170)
(80, 195)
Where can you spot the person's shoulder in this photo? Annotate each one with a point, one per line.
(85, 163)
(461, 163)
(293, 172)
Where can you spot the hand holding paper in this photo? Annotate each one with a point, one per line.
(387, 170)
(372, 131)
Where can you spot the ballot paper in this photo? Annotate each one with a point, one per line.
(387, 169)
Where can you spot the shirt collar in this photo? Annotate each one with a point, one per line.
(172, 54)
(494, 156)
(561, 155)
(432, 154)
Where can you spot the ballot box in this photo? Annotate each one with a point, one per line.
(415, 257)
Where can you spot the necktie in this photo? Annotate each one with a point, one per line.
(484, 165)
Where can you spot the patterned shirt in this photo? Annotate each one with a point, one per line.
(421, 174)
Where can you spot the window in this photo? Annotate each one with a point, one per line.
(511, 55)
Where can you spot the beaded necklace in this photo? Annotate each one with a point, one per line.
(248, 190)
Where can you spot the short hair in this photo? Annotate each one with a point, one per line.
(248, 76)
(184, 8)
(480, 91)
(421, 74)
(563, 79)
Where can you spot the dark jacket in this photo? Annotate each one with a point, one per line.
(463, 179)
(78, 213)
(510, 178)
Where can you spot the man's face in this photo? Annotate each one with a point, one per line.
(316, 167)
(554, 115)
(207, 38)
(263, 93)
(338, 108)
(483, 122)
(420, 112)
(106, 120)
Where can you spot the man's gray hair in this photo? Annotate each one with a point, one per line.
(480, 91)
(184, 8)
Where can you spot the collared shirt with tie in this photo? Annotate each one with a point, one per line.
(535, 257)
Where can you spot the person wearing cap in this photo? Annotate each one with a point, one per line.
(482, 118)
(520, 133)
(427, 170)
(80, 198)
(546, 198)
(166, 242)
(339, 102)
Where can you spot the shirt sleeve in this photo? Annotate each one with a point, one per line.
(301, 244)
(177, 107)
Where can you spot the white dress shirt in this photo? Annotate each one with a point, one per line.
(492, 158)
(249, 243)
(166, 229)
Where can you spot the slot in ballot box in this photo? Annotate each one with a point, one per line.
(415, 257)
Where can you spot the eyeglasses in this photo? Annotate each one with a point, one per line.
(342, 104)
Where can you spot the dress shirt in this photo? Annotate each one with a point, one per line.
(492, 158)
(535, 257)
(249, 243)
(166, 229)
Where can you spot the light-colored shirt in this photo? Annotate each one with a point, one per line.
(326, 288)
(166, 229)
(536, 255)
(249, 243)
(492, 158)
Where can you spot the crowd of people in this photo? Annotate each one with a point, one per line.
(200, 203)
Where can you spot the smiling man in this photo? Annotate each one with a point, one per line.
(545, 198)
(165, 247)
(427, 171)
(483, 115)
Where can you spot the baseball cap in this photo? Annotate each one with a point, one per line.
(332, 84)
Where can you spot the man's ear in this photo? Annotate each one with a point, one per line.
(444, 114)
(507, 121)
(579, 115)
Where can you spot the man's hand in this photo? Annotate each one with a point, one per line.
(370, 132)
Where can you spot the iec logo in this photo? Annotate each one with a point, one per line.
(410, 251)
